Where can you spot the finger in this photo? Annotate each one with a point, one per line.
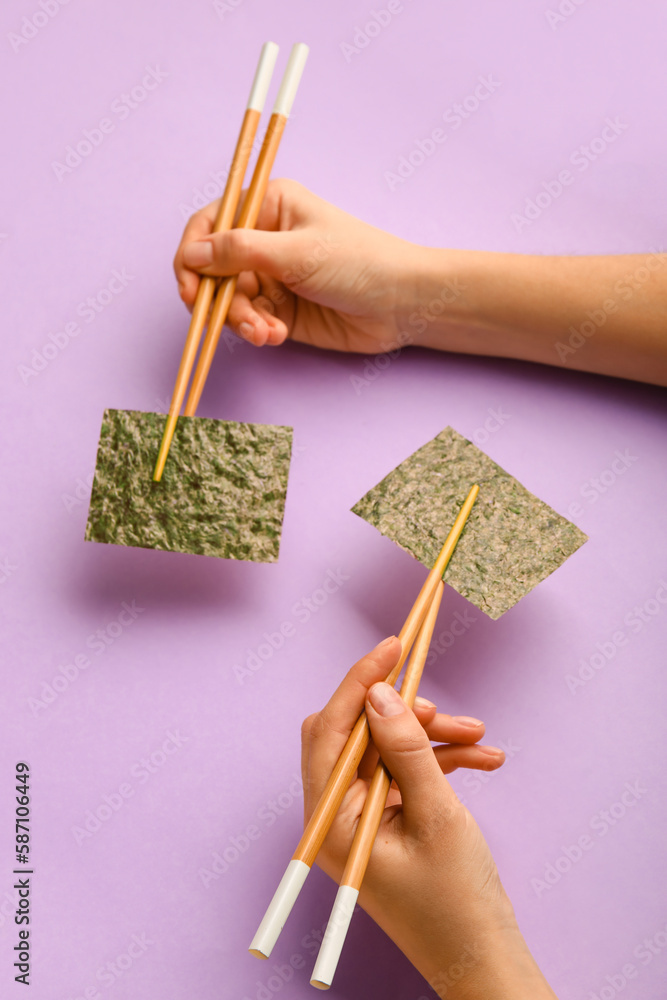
(286, 204)
(272, 301)
(325, 734)
(477, 758)
(439, 727)
(248, 283)
(199, 226)
(449, 758)
(252, 321)
(424, 710)
(406, 751)
(454, 729)
(278, 254)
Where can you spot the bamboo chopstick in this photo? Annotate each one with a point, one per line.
(376, 799)
(224, 220)
(248, 217)
(318, 826)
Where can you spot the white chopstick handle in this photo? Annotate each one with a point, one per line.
(290, 80)
(263, 74)
(279, 909)
(334, 937)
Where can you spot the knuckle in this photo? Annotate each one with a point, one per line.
(285, 186)
(237, 242)
(308, 725)
(264, 304)
(408, 744)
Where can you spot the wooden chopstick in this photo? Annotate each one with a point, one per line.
(339, 781)
(248, 217)
(224, 220)
(376, 799)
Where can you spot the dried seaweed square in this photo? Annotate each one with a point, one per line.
(512, 540)
(222, 492)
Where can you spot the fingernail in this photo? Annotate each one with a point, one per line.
(385, 700)
(423, 702)
(492, 751)
(246, 329)
(198, 254)
(386, 642)
(467, 720)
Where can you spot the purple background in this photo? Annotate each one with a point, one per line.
(172, 669)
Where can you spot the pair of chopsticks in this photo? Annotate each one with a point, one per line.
(418, 629)
(224, 220)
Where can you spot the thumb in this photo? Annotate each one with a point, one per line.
(235, 250)
(406, 751)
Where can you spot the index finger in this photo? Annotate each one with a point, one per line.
(325, 734)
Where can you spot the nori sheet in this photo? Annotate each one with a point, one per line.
(511, 541)
(222, 492)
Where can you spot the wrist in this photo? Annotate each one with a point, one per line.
(435, 299)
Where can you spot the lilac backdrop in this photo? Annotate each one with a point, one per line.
(168, 679)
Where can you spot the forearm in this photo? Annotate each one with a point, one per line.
(600, 314)
(502, 969)
(488, 966)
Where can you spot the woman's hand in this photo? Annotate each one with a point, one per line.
(308, 271)
(318, 275)
(431, 883)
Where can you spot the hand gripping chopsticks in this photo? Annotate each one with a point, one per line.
(224, 220)
(376, 799)
(318, 826)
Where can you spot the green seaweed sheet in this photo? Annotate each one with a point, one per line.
(511, 542)
(222, 492)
